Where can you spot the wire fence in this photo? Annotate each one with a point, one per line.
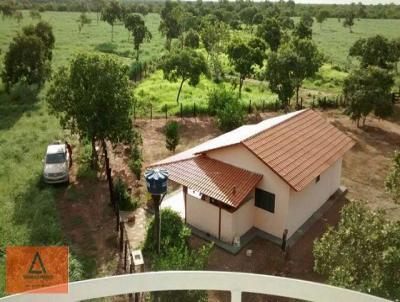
(200, 108)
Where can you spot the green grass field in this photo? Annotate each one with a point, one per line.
(69, 41)
(335, 40)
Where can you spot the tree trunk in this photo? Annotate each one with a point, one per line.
(358, 122)
(137, 55)
(108, 172)
(112, 32)
(94, 154)
(297, 96)
(240, 87)
(179, 91)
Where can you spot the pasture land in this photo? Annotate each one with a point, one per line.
(95, 37)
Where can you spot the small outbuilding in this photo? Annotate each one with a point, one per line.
(263, 178)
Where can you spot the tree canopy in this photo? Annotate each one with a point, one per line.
(243, 56)
(185, 65)
(368, 90)
(321, 16)
(362, 252)
(270, 32)
(93, 98)
(28, 57)
(169, 25)
(348, 20)
(376, 51)
(110, 13)
(137, 27)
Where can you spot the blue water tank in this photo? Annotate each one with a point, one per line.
(157, 181)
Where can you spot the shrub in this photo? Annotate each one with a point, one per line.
(175, 253)
(107, 47)
(135, 71)
(231, 116)
(172, 135)
(218, 98)
(327, 102)
(85, 160)
(135, 156)
(121, 195)
(23, 92)
(136, 167)
(392, 182)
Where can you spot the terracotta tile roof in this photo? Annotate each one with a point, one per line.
(228, 139)
(214, 178)
(301, 148)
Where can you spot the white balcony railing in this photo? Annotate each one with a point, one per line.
(236, 283)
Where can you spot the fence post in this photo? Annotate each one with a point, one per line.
(181, 111)
(249, 110)
(121, 236)
(166, 111)
(263, 106)
(117, 214)
(126, 255)
(151, 111)
(194, 109)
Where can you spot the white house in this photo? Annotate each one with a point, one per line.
(270, 176)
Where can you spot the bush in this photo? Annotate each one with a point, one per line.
(172, 135)
(231, 116)
(135, 71)
(107, 47)
(85, 170)
(218, 98)
(135, 156)
(23, 92)
(392, 182)
(175, 254)
(121, 195)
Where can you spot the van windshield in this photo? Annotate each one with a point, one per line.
(55, 158)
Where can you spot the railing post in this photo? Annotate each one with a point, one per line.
(151, 111)
(236, 296)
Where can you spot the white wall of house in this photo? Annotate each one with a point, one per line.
(202, 215)
(240, 156)
(237, 223)
(304, 203)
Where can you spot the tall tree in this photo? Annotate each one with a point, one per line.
(302, 30)
(111, 13)
(29, 56)
(185, 65)
(348, 20)
(308, 62)
(82, 21)
(362, 253)
(270, 32)
(375, 51)
(321, 16)
(7, 9)
(26, 59)
(93, 98)
(243, 56)
(368, 90)
(44, 31)
(136, 25)
(169, 26)
(280, 76)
